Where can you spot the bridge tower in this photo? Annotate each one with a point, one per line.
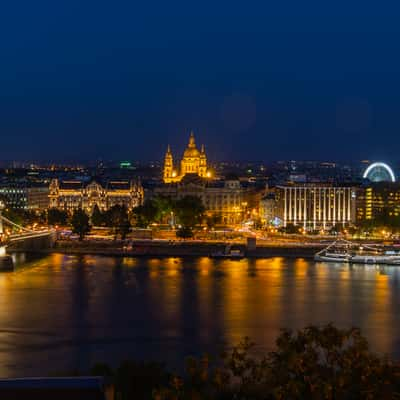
(6, 262)
(2, 206)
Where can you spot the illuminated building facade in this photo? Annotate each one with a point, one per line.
(228, 200)
(269, 208)
(316, 207)
(378, 199)
(194, 161)
(21, 197)
(73, 194)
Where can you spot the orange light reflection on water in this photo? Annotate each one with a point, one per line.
(380, 315)
(61, 298)
(245, 304)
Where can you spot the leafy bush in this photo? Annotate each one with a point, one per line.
(318, 363)
(313, 363)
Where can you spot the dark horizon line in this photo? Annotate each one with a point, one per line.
(63, 161)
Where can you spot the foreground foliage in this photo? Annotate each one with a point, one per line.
(134, 380)
(312, 363)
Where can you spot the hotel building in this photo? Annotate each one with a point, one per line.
(377, 198)
(316, 207)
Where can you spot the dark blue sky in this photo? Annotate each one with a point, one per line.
(264, 80)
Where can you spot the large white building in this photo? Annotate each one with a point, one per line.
(316, 207)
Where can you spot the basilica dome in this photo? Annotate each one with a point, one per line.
(194, 161)
(191, 151)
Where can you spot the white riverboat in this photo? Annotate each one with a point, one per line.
(352, 253)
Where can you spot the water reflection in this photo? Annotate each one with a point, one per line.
(61, 312)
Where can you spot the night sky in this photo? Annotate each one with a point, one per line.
(266, 80)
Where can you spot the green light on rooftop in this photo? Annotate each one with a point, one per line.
(125, 164)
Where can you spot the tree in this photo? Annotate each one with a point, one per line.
(97, 218)
(189, 211)
(57, 217)
(164, 206)
(118, 219)
(312, 363)
(80, 223)
(145, 214)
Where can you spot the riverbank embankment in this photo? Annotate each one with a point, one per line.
(174, 248)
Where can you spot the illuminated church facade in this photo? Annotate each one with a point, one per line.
(194, 161)
(226, 199)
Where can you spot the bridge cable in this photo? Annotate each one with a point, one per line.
(14, 224)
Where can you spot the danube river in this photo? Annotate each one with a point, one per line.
(61, 312)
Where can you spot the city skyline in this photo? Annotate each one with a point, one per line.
(199, 199)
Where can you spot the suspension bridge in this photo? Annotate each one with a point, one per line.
(21, 238)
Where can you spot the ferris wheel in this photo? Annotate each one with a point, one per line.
(379, 172)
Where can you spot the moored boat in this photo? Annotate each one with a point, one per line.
(348, 252)
(228, 253)
(333, 257)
